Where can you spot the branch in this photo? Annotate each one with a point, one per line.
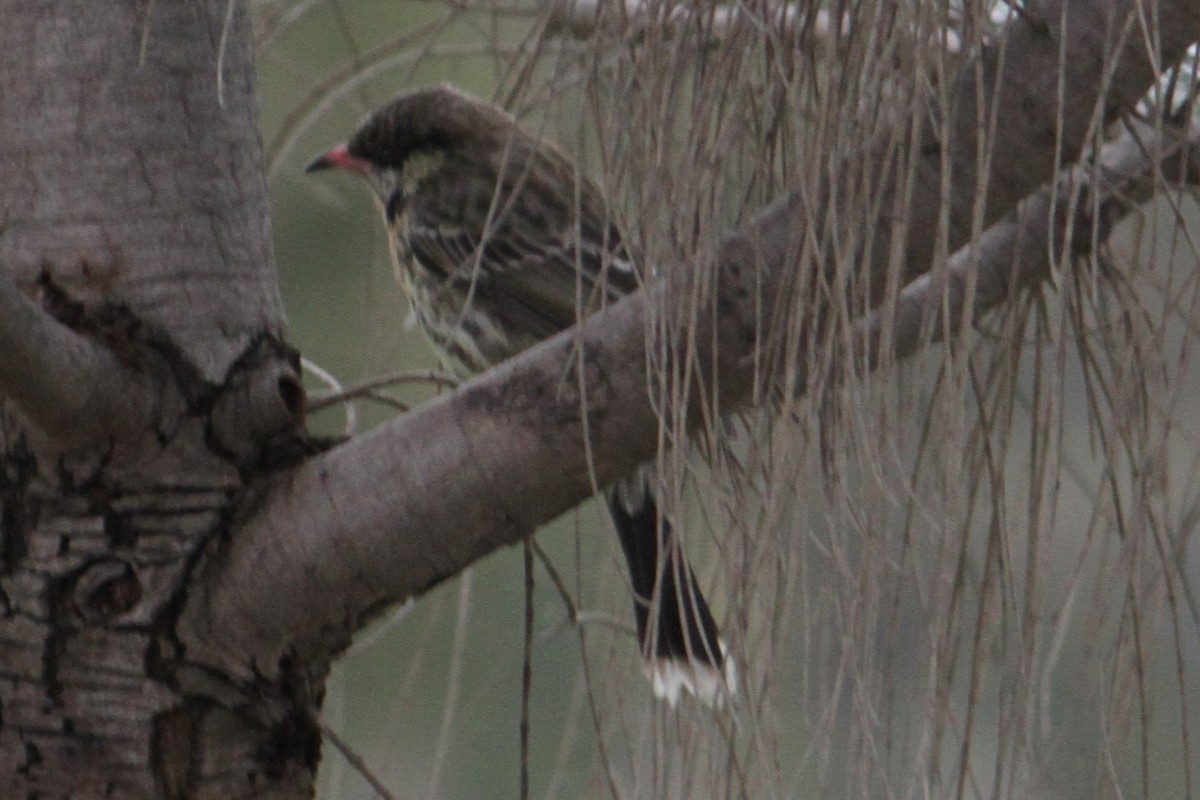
(484, 466)
(73, 388)
(394, 512)
(1019, 251)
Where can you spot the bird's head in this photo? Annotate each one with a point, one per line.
(409, 138)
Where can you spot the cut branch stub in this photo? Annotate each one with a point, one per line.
(260, 403)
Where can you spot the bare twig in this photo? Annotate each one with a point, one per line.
(323, 400)
(527, 667)
(355, 760)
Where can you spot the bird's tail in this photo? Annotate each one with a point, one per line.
(680, 644)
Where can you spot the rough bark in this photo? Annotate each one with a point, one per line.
(134, 223)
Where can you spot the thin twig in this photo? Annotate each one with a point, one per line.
(527, 667)
(336, 387)
(367, 388)
(556, 579)
(355, 761)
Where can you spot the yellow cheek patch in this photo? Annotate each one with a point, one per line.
(418, 166)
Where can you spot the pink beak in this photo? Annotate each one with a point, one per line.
(341, 158)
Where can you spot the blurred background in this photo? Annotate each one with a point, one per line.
(976, 577)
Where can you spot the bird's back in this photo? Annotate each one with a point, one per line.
(500, 247)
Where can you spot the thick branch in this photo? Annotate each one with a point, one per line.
(1019, 251)
(410, 504)
(70, 386)
(1028, 105)
(488, 464)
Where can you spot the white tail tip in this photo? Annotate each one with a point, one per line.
(671, 677)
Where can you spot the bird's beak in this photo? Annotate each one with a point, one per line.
(341, 158)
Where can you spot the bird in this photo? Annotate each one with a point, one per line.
(499, 241)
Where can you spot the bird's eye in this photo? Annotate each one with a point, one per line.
(395, 204)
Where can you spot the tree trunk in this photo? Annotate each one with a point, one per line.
(134, 225)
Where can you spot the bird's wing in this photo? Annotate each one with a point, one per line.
(544, 271)
(561, 279)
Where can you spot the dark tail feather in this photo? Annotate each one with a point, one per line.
(679, 639)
